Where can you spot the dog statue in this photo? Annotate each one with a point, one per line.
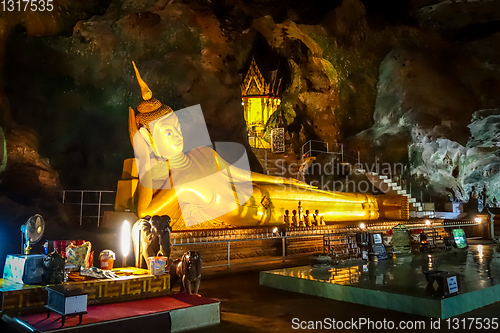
(189, 270)
(151, 237)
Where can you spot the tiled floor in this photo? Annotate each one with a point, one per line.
(399, 284)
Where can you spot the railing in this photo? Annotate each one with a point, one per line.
(301, 232)
(228, 239)
(307, 149)
(90, 204)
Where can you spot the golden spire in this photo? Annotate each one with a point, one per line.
(146, 92)
(149, 109)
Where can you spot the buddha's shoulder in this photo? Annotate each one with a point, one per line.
(201, 151)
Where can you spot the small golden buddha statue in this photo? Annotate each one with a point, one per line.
(286, 218)
(307, 219)
(315, 217)
(199, 189)
(321, 220)
(295, 220)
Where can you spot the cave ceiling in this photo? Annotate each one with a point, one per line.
(404, 81)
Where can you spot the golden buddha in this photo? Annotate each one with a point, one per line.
(199, 189)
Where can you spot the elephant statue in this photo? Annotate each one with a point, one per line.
(151, 237)
(189, 270)
(53, 268)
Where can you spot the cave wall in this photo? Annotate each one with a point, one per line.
(430, 96)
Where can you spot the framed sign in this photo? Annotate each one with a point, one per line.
(377, 238)
(452, 284)
(278, 140)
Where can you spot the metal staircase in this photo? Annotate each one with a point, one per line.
(388, 186)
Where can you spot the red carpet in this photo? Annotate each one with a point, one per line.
(116, 311)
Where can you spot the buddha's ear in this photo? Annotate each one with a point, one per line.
(145, 135)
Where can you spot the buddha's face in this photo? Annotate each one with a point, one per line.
(167, 136)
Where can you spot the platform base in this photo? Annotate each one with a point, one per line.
(176, 313)
(399, 284)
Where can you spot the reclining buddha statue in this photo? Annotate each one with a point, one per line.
(198, 188)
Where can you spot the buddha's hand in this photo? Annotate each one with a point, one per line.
(142, 152)
(291, 181)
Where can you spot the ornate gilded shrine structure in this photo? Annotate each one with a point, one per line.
(260, 100)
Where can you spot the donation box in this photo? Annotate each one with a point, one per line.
(444, 283)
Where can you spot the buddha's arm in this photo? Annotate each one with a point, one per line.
(238, 174)
(149, 205)
(262, 178)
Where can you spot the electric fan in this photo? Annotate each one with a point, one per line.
(31, 232)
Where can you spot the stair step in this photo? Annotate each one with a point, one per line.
(387, 181)
(417, 204)
(362, 170)
(411, 200)
(403, 192)
(415, 214)
(382, 177)
(397, 188)
(420, 209)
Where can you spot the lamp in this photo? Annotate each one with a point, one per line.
(478, 220)
(428, 222)
(362, 225)
(125, 241)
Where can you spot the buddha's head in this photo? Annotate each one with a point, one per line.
(156, 123)
(166, 135)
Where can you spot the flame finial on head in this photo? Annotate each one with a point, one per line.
(149, 109)
(146, 92)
